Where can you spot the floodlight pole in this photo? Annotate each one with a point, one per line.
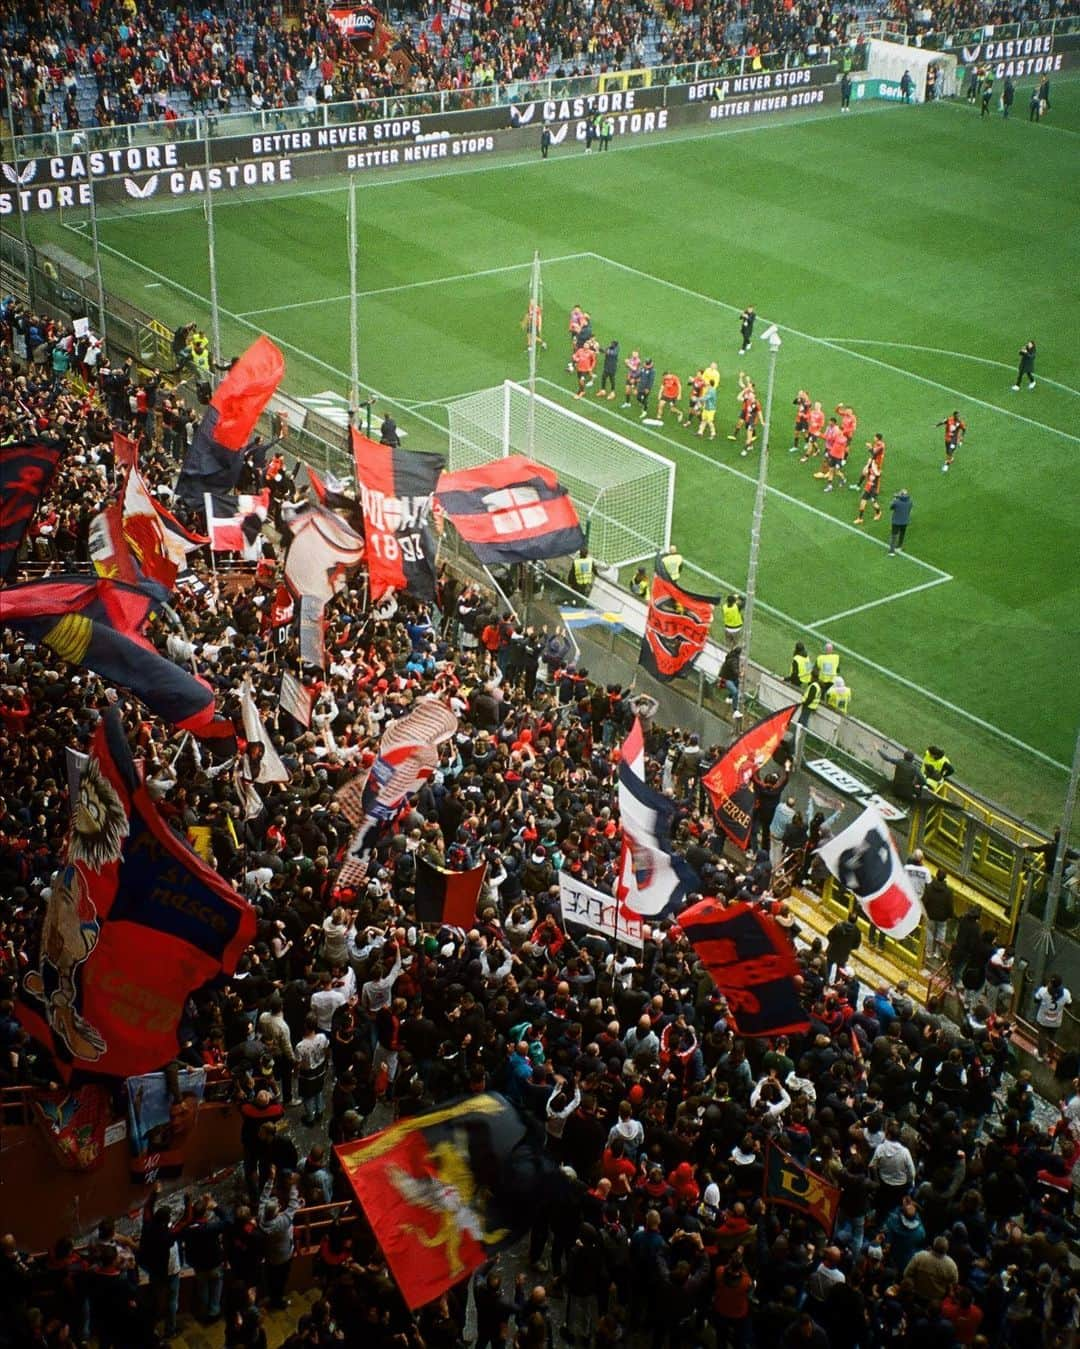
(211, 245)
(773, 338)
(1053, 890)
(100, 280)
(9, 76)
(354, 353)
(533, 330)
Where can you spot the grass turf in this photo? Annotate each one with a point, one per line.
(906, 255)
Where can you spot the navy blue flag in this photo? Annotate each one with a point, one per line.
(26, 469)
(752, 963)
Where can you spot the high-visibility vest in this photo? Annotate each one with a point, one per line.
(732, 616)
(838, 699)
(583, 571)
(812, 696)
(827, 666)
(934, 769)
(803, 668)
(674, 564)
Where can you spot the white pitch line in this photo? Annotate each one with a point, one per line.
(709, 576)
(752, 478)
(834, 346)
(892, 674)
(885, 599)
(410, 285)
(1045, 126)
(944, 351)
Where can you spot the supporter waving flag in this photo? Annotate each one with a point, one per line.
(99, 624)
(134, 923)
(653, 879)
(396, 490)
(215, 458)
(323, 549)
(730, 782)
(863, 858)
(511, 510)
(751, 962)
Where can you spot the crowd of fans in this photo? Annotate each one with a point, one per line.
(956, 1199)
(241, 57)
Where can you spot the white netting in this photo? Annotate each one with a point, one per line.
(623, 492)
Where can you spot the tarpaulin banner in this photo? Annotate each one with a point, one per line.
(677, 625)
(591, 908)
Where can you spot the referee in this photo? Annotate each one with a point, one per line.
(1027, 366)
(746, 328)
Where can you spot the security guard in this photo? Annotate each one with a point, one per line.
(583, 572)
(639, 585)
(673, 562)
(826, 667)
(811, 701)
(839, 696)
(802, 667)
(936, 768)
(732, 613)
(200, 356)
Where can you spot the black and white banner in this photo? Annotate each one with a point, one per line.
(586, 907)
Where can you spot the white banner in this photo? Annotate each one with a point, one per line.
(589, 908)
(295, 699)
(863, 858)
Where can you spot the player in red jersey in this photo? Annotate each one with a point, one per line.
(815, 429)
(696, 386)
(670, 394)
(870, 477)
(836, 449)
(802, 419)
(585, 366)
(955, 430)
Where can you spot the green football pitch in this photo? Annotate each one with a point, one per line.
(905, 253)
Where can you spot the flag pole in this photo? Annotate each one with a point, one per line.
(99, 279)
(354, 336)
(773, 338)
(9, 76)
(211, 245)
(534, 330)
(1053, 889)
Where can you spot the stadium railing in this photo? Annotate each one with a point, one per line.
(970, 37)
(326, 115)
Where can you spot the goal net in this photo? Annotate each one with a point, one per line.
(623, 493)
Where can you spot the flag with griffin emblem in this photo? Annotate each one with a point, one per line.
(730, 783)
(751, 961)
(134, 923)
(677, 626)
(793, 1186)
(445, 1190)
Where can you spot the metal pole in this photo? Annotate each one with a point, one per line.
(9, 76)
(773, 338)
(534, 328)
(1053, 891)
(211, 246)
(97, 261)
(354, 353)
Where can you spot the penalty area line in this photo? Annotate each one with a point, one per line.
(873, 604)
(944, 351)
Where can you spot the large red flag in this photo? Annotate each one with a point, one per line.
(730, 782)
(244, 392)
(134, 923)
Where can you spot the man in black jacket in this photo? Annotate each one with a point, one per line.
(843, 938)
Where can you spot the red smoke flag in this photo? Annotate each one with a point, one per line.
(863, 858)
(677, 625)
(440, 1191)
(751, 961)
(134, 923)
(26, 469)
(447, 897)
(730, 782)
(511, 510)
(396, 490)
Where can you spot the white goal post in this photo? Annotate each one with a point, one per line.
(624, 493)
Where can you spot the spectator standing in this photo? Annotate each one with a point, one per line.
(1051, 999)
(276, 1225)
